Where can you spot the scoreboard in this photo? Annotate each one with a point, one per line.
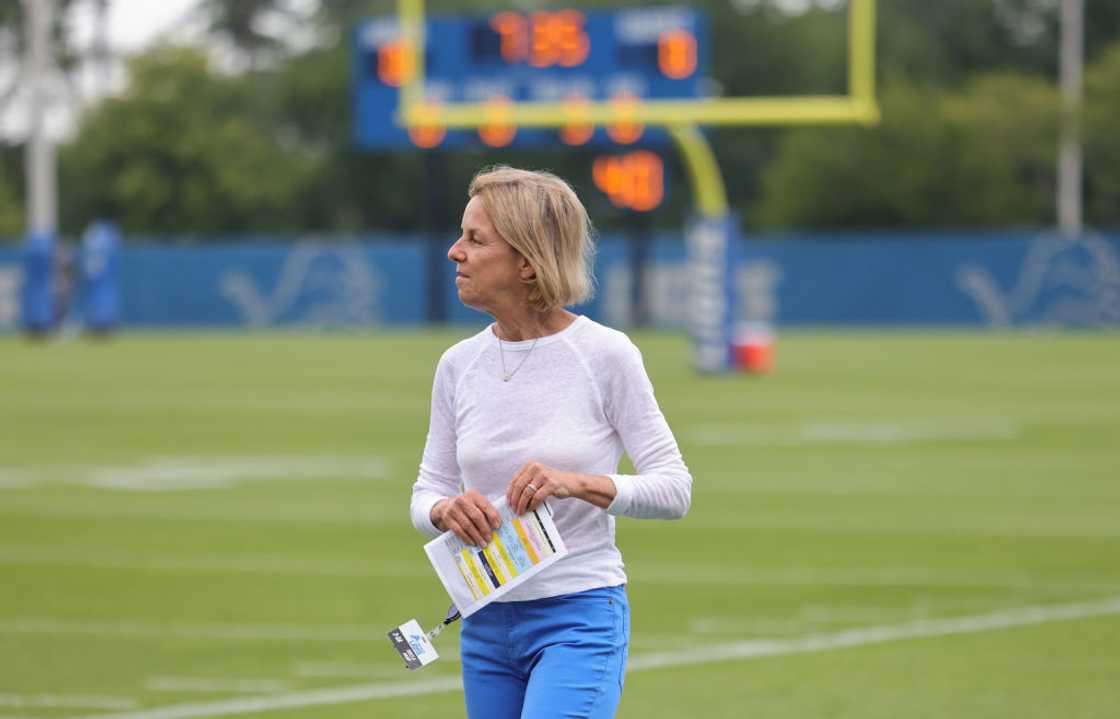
(567, 56)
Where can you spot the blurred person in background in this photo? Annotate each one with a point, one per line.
(64, 283)
(543, 403)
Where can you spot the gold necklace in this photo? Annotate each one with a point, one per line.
(506, 375)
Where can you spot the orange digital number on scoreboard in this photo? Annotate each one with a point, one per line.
(676, 54)
(558, 39)
(634, 181)
(427, 134)
(498, 131)
(625, 131)
(511, 28)
(544, 39)
(395, 64)
(576, 131)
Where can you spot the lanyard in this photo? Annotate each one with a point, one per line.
(451, 616)
(414, 645)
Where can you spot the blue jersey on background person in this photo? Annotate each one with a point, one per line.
(36, 298)
(542, 404)
(100, 294)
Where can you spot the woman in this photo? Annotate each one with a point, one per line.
(541, 405)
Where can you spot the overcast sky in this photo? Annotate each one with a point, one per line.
(132, 23)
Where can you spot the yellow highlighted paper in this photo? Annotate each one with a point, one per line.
(510, 569)
(494, 566)
(470, 560)
(525, 541)
(520, 548)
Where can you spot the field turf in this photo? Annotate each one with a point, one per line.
(891, 525)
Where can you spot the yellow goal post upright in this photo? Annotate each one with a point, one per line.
(709, 238)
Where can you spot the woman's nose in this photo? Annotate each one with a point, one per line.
(453, 253)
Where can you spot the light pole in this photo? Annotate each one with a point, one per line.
(36, 300)
(42, 189)
(42, 196)
(102, 54)
(1069, 156)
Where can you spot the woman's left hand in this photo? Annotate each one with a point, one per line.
(535, 481)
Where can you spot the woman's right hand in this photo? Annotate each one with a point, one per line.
(470, 516)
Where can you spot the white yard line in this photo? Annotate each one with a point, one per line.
(862, 636)
(858, 577)
(721, 626)
(66, 701)
(171, 474)
(846, 432)
(347, 670)
(365, 517)
(1069, 524)
(661, 573)
(15, 479)
(216, 685)
(319, 697)
(333, 403)
(855, 487)
(259, 564)
(141, 630)
(161, 474)
(358, 633)
(710, 653)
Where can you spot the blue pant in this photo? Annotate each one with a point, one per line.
(547, 658)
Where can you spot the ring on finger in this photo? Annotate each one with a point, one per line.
(531, 487)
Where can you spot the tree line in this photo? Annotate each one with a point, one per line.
(968, 137)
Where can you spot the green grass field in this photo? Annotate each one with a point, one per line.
(891, 525)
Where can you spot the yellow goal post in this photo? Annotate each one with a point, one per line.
(857, 107)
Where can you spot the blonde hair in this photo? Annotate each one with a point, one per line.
(541, 217)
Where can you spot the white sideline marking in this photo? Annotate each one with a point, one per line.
(1068, 524)
(14, 479)
(347, 670)
(721, 626)
(318, 697)
(216, 685)
(198, 631)
(327, 634)
(813, 618)
(16, 556)
(173, 474)
(212, 514)
(331, 403)
(66, 701)
(712, 653)
(170, 474)
(857, 577)
(262, 564)
(862, 636)
(849, 487)
(877, 432)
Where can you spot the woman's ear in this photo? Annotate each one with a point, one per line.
(528, 272)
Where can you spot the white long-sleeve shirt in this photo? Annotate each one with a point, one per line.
(576, 401)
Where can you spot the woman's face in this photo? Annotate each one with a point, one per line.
(489, 269)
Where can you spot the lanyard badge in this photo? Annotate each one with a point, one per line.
(415, 645)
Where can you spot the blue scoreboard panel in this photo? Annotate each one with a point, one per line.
(567, 56)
